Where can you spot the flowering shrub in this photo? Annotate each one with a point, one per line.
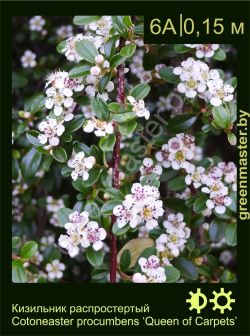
(123, 155)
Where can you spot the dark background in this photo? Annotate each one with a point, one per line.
(165, 301)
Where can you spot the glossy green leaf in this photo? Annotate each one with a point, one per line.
(59, 154)
(85, 20)
(87, 50)
(29, 250)
(95, 258)
(140, 91)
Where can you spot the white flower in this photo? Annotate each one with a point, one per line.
(99, 59)
(173, 241)
(101, 26)
(55, 269)
(139, 107)
(220, 92)
(178, 153)
(204, 50)
(141, 207)
(36, 23)
(28, 59)
(219, 203)
(99, 127)
(81, 233)
(226, 257)
(64, 31)
(149, 167)
(95, 71)
(195, 177)
(93, 235)
(52, 130)
(152, 272)
(81, 165)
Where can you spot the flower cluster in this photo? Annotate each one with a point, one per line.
(64, 32)
(204, 50)
(81, 233)
(148, 167)
(60, 91)
(178, 152)
(171, 243)
(102, 26)
(52, 130)
(141, 207)
(101, 68)
(55, 269)
(28, 59)
(139, 107)
(197, 78)
(217, 191)
(99, 127)
(36, 23)
(81, 165)
(53, 206)
(151, 271)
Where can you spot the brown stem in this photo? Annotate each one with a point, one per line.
(115, 174)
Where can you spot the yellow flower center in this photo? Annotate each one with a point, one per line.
(179, 156)
(191, 83)
(147, 212)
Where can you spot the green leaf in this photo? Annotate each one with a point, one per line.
(74, 124)
(217, 230)
(95, 258)
(127, 127)
(128, 51)
(116, 60)
(232, 81)
(231, 139)
(127, 21)
(115, 193)
(61, 46)
(186, 268)
(200, 204)
(172, 274)
(114, 107)
(168, 75)
(15, 241)
(32, 138)
(81, 147)
(30, 163)
(119, 231)
(47, 162)
(231, 234)
(140, 91)
(94, 174)
(34, 104)
(80, 70)
(122, 117)
(93, 210)
(106, 143)
(232, 110)
(100, 107)
(109, 47)
(181, 48)
(79, 186)
(99, 273)
(95, 151)
(177, 183)
(85, 20)
(103, 82)
(18, 272)
(29, 250)
(139, 29)
(181, 123)
(59, 154)
(219, 55)
(63, 216)
(221, 116)
(125, 260)
(107, 208)
(119, 25)
(87, 50)
(18, 81)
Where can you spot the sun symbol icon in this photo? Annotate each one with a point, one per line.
(218, 297)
